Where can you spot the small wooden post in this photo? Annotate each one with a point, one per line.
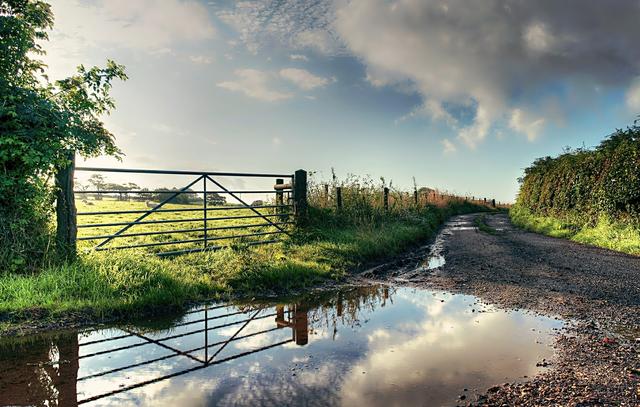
(415, 196)
(300, 195)
(493, 203)
(339, 198)
(66, 231)
(385, 198)
(279, 195)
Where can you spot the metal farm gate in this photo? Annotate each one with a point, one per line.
(198, 213)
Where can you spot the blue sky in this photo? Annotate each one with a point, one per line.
(462, 96)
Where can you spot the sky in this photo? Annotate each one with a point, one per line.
(460, 95)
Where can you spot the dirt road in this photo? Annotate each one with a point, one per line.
(598, 356)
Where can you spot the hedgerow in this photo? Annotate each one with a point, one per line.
(585, 184)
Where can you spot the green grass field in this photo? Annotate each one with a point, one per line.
(186, 225)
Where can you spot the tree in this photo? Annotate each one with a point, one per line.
(98, 182)
(40, 123)
(184, 198)
(215, 199)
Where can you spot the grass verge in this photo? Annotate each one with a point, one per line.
(607, 233)
(125, 284)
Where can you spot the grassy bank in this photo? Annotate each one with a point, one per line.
(619, 235)
(127, 283)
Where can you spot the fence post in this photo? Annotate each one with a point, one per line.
(493, 203)
(339, 198)
(300, 195)
(385, 198)
(279, 195)
(66, 230)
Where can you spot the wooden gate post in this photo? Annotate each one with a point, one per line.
(66, 231)
(385, 198)
(300, 195)
(339, 198)
(279, 195)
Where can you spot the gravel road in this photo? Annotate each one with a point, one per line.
(598, 355)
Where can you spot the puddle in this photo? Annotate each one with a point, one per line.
(436, 259)
(373, 346)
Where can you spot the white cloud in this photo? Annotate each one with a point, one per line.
(481, 56)
(538, 38)
(448, 147)
(523, 123)
(304, 79)
(633, 96)
(298, 57)
(319, 40)
(475, 133)
(432, 109)
(488, 57)
(146, 24)
(201, 59)
(298, 24)
(151, 26)
(255, 84)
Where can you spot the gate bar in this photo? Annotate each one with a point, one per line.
(170, 232)
(150, 222)
(214, 208)
(173, 172)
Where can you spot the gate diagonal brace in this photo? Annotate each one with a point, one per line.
(247, 205)
(149, 212)
(233, 336)
(162, 345)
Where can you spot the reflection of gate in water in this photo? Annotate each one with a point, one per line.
(294, 317)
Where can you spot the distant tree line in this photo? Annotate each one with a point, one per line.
(123, 192)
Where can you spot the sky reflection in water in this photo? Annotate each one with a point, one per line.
(359, 346)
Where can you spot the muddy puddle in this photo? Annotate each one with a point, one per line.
(371, 346)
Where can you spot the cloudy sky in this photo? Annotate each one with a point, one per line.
(462, 95)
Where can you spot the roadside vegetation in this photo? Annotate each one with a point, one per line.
(590, 196)
(118, 283)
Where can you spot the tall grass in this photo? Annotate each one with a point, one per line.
(363, 202)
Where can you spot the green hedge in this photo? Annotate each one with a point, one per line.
(585, 184)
